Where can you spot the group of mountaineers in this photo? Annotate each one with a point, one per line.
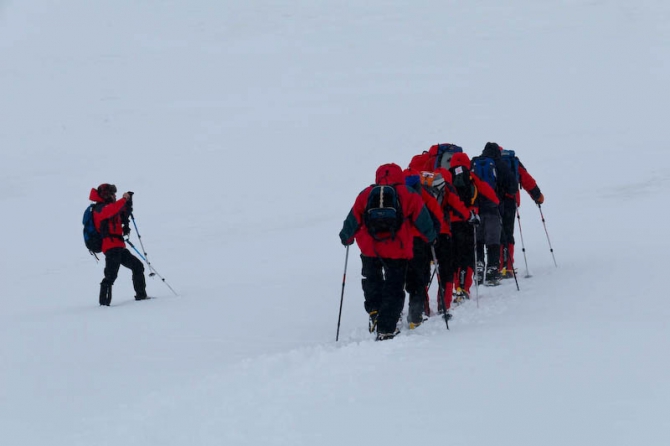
(444, 209)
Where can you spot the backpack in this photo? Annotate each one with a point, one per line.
(465, 187)
(92, 238)
(485, 168)
(383, 213)
(444, 154)
(421, 162)
(434, 184)
(512, 161)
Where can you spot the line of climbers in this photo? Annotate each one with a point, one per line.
(432, 212)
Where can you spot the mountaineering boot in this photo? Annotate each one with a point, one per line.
(415, 313)
(140, 285)
(386, 336)
(479, 274)
(105, 294)
(493, 276)
(507, 273)
(372, 324)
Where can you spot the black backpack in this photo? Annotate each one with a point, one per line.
(512, 161)
(383, 213)
(465, 187)
(92, 238)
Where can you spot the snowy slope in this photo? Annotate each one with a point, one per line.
(246, 129)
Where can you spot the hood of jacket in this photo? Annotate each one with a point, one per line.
(420, 162)
(95, 196)
(389, 174)
(460, 159)
(492, 150)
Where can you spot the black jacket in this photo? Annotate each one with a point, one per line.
(506, 182)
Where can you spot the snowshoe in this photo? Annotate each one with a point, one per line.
(413, 325)
(461, 296)
(386, 336)
(493, 276)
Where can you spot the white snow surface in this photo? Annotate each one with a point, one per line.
(246, 130)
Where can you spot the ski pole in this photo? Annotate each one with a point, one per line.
(546, 232)
(513, 269)
(152, 270)
(474, 228)
(344, 279)
(523, 246)
(440, 293)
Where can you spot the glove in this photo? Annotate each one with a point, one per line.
(345, 242)
(126, 230)
(474, 219)
(540, 199)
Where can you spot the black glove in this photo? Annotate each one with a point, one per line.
(129, 202)
(345, 242)
(126, 230)
(474, 219)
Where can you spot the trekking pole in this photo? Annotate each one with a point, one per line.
(152, 270)
(440, 291)
(344, 279)
(513, 269)
(474, 228)
(523, 247)
(546, 232)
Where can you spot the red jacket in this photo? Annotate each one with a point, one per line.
(527, 182)
(414, 213)
(429, 200)
(112, 235)
(453, 207)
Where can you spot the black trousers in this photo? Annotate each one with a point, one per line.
(418, 276)
(383, 288)
(464, 245)
(445, 258)
(116, 257)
